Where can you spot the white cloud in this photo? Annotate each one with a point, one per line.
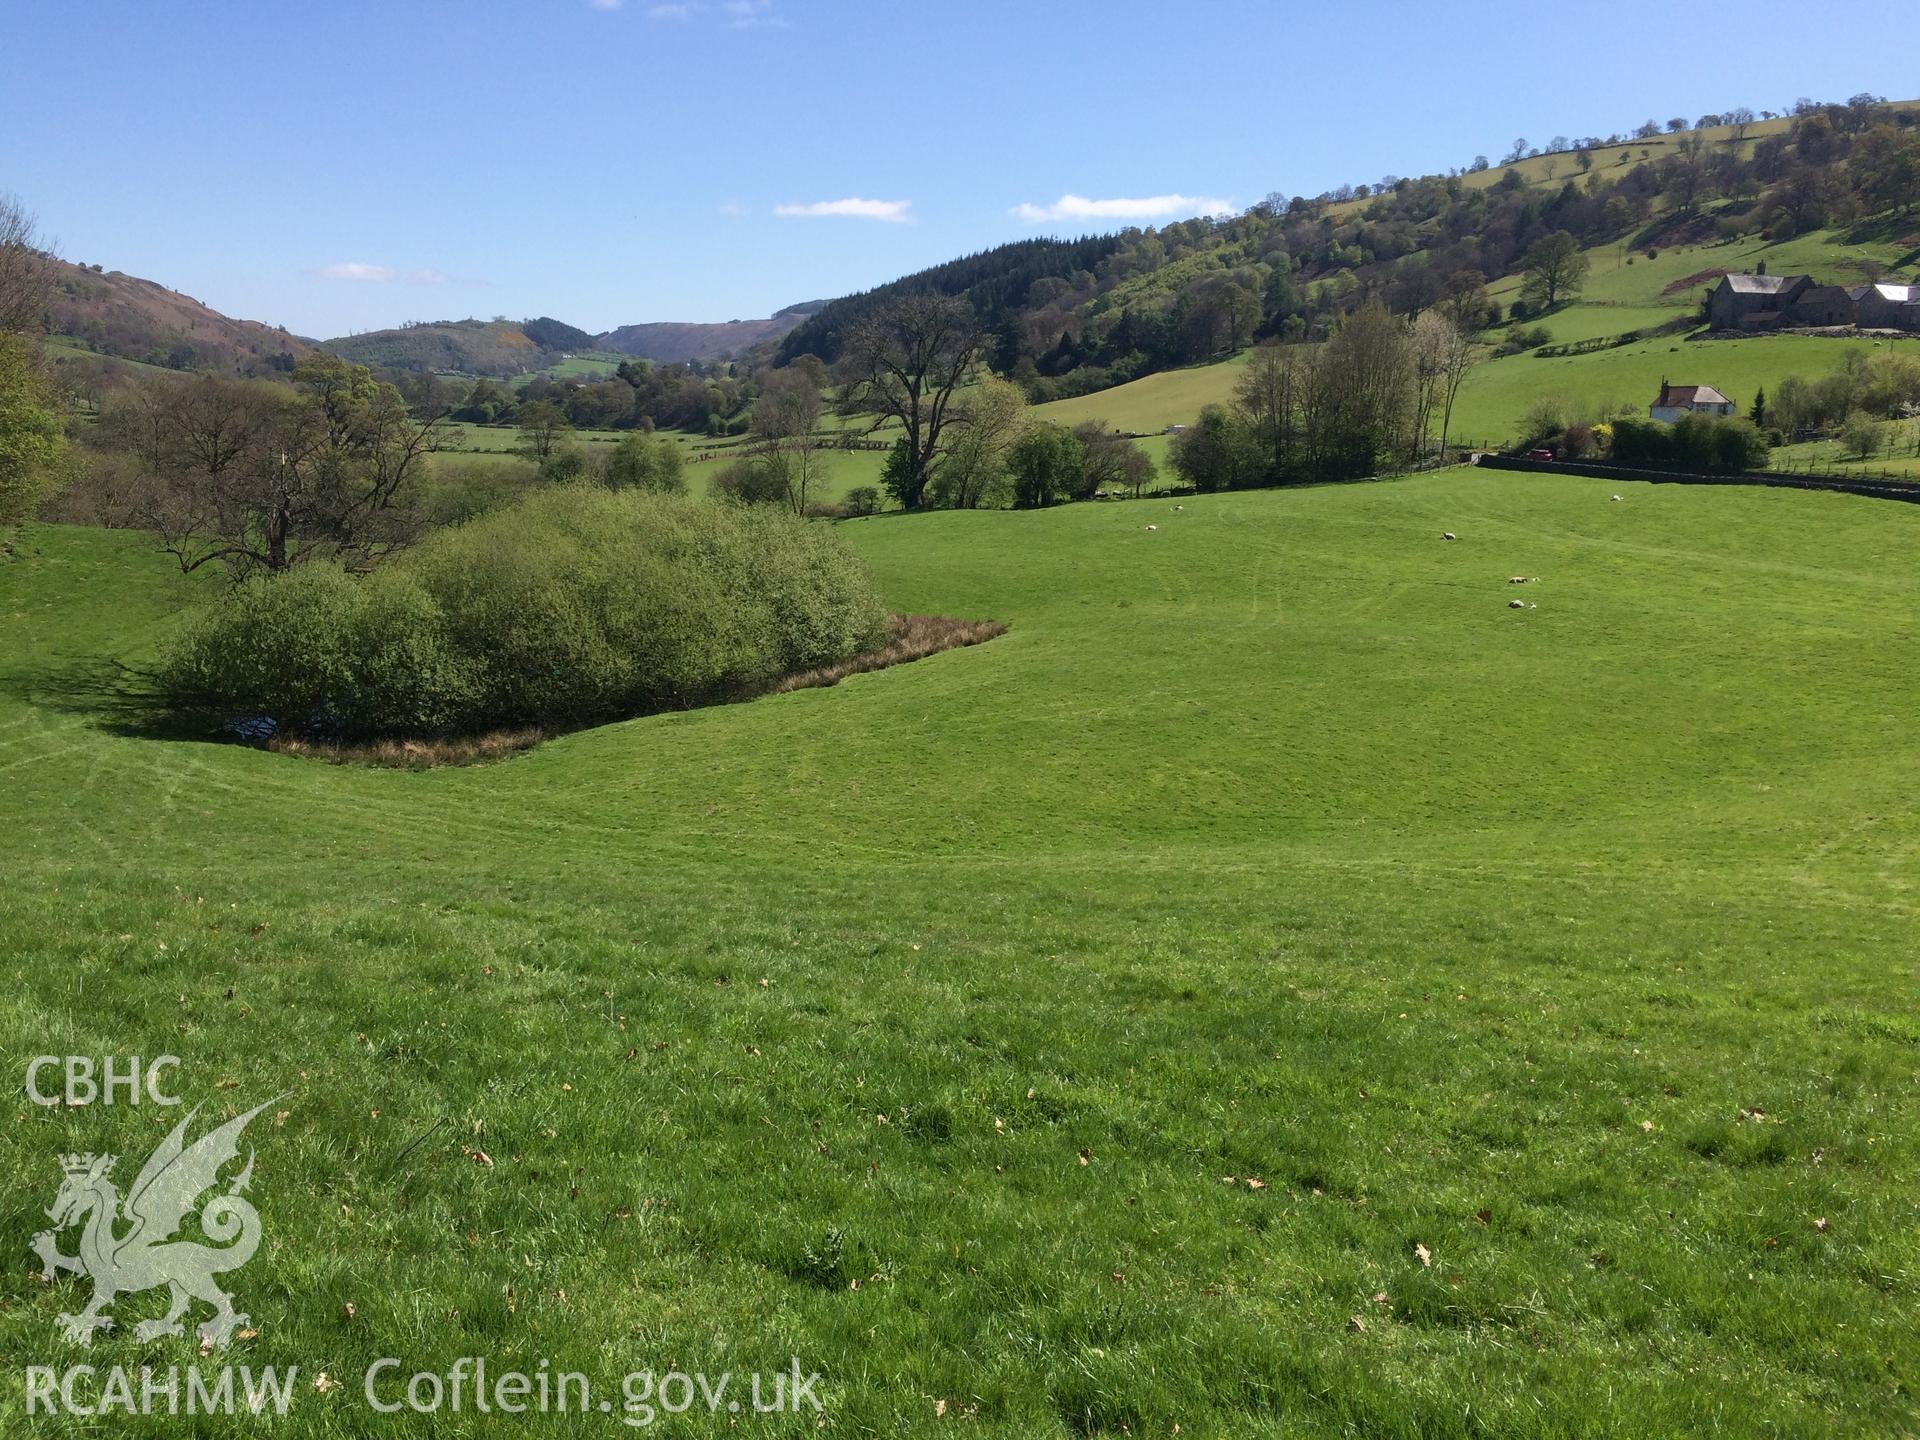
(381, 274)
(733, 209)
(750, 14)
(1150, 207)
(892, 211)
(355, 270)
(604, 4)
(672, 12)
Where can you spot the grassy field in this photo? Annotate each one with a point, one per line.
(1149, 405)
(1550, 971)
(1899, 454)
(587, 365)
(840, 470)
(1498, 393)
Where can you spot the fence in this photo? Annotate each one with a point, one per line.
(1886, 489)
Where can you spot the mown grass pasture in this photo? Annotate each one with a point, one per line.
(1275, 989)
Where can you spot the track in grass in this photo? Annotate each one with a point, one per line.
(1572, 946)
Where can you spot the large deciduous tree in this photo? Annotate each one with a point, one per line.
(1111, 461)
(32, 436)
(26, 277)
(904, 362)
(973, 472)
(1048, 465)
(543, 426)
(1554, 270)
(261, 478)
(784, 420)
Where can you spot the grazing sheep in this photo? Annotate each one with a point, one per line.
(1516, 604)
(1153, 527)
(1179, 507)
(1516, 580)
(1616, 497)
(1447, 535)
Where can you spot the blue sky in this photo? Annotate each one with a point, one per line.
(354, 165)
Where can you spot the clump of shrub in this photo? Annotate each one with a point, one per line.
(1522, 338)
(644, 461)
(575, 605)
(1860, 435)
(1705, 443)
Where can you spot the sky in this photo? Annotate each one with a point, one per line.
(350, 166)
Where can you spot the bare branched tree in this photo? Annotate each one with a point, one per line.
(26, 272)
(904, 362)
(784, 419)
(261, 479)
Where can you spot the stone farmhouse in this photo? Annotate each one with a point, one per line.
(1779, 302)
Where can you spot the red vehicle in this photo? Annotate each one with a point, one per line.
(1539, 455)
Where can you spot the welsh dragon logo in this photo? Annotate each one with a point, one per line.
(129, 1244)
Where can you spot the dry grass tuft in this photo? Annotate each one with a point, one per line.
(914, 638)
(413, 754)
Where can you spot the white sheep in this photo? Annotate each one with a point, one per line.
(1179, 507)
(1153, 527)
(1516, 604)
(1616, 497)
(1447, 535)
(1516, 580)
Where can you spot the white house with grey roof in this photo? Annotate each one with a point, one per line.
(1678, 400)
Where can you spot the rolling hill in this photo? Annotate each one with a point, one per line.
(506, 348)
(672, 341)
(1626, 291)
(125, 317)
(467, 347)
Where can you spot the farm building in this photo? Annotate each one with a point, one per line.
(1678, 400)
(1753, 302)
(1765, 302)
(1893, 307)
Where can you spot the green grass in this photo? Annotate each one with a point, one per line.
(586, 365)
(1270, 844)
(1148, 405)
(1898, 455)
(464, 443)
(1593, 322)
(1498, 393)
(61, 347)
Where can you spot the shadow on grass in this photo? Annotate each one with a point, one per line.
(114, 696)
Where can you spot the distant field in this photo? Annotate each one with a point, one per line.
(59, 347)
(1276, 990)
(1899, 455)
(840, 470)
(1149, 405)
(587, 365)
(1622, 276)
(1594, 322)
(1498, 393)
